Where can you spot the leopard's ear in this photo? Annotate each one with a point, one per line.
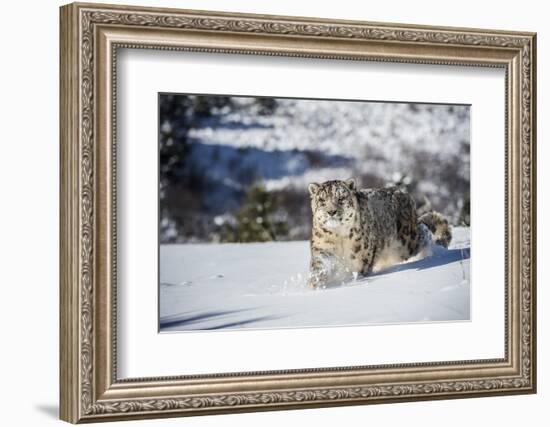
(313, 188)
(351, 183)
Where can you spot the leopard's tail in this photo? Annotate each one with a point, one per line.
(439, 226)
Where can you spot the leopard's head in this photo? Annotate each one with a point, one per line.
(334, 204)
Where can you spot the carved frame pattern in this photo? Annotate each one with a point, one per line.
(80, 400)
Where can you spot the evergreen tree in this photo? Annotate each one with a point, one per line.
(256, 220)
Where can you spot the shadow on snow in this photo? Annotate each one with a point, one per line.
(442, 257)
(219, 319)
(228, 171)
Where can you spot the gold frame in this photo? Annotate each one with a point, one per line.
(90, 36)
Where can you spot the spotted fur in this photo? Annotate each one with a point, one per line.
(361, 231)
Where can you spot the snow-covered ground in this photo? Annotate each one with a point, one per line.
(263, 285)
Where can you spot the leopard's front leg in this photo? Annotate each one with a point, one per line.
(318, 269)
(368, 261)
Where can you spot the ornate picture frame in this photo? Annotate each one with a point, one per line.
(90, 37)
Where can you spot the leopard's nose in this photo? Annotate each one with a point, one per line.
(332, 212)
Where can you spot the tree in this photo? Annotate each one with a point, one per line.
(257, 219)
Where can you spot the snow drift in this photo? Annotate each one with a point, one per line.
(263, 285)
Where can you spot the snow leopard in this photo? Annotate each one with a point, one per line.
(360, 231)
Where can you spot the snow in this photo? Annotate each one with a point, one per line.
(263, 285)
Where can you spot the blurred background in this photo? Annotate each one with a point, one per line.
(236, 169)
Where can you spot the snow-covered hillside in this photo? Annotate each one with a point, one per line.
(382, 135)
(263, 285)
(210, 161)
(305, 141)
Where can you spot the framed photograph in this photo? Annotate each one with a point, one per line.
(267, 212)
(257, 210)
